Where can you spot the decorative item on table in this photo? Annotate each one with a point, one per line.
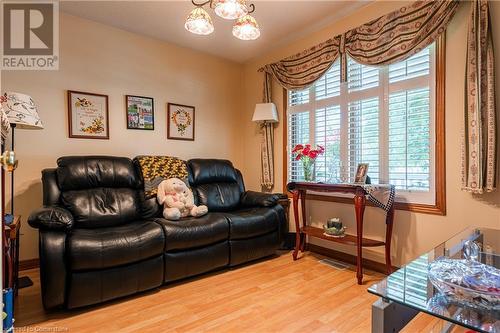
(180, 122)
(307, 154)
(140, 112)
(361, 173)
(88, 115)
(467, 281)
(439, 304)
(334, 222)
(334, 228)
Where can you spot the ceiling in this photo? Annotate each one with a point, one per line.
(280, 22)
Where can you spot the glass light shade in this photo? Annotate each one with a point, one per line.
(199, 22)
(246, 28)
(230, 9)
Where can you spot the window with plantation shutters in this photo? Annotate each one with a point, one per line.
(383, 116)
(363, 137)
(409, 139)
(299, 132)
(327, 134)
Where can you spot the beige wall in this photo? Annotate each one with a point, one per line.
(101, 59)
(98, 58)
(413, 233)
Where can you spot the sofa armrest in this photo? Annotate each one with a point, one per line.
(260, 199)
(53, 272)
(51, 218)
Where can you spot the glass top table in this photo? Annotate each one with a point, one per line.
(408, 291)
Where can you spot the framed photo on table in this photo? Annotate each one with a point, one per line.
(88, 115)
(361, 173)
(180, 122)
(140, 112)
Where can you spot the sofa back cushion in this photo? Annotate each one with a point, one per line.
(215, 183)
(100, 191)
(85, 172)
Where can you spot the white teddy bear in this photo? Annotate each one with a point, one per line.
(177, 200)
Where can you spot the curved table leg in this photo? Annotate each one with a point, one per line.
(388, 238)
(295, 199)
(359, 204)
(304, 219)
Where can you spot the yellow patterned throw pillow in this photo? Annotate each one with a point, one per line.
(155, 169)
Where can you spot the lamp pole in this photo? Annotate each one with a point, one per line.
(13, 127)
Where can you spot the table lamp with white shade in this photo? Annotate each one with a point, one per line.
(266, 114)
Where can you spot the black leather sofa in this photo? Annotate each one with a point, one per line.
(100, 238)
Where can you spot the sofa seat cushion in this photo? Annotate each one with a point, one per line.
(193, 232)
(99, 248)
(251, 222)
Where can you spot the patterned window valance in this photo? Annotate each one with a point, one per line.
(388, 39)
(303, 69)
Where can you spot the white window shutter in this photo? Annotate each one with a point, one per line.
(383, 116)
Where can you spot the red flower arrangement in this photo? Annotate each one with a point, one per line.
(302, 151)
(307, 155)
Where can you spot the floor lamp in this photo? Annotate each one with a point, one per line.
(266, 115)
(21, 113)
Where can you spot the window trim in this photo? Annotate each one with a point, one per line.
(439, 207)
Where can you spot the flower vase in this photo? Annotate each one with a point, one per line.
(308, 166)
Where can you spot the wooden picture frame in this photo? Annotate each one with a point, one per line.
(140, 112)
(88, 115)
(180, 122)
(361, 173)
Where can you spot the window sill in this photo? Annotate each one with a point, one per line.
(436, 209)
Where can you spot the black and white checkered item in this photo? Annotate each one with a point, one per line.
(381, 196)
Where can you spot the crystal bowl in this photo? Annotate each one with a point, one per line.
(467, 281)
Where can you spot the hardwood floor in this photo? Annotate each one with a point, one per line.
(276, 295)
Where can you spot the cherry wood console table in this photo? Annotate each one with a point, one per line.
(299, 191)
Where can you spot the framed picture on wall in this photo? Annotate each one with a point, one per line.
(180, 122)
(88, 115)
(140, 112)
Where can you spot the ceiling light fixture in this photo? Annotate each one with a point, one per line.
(199, 22)
(230, 9)
(245, 28)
